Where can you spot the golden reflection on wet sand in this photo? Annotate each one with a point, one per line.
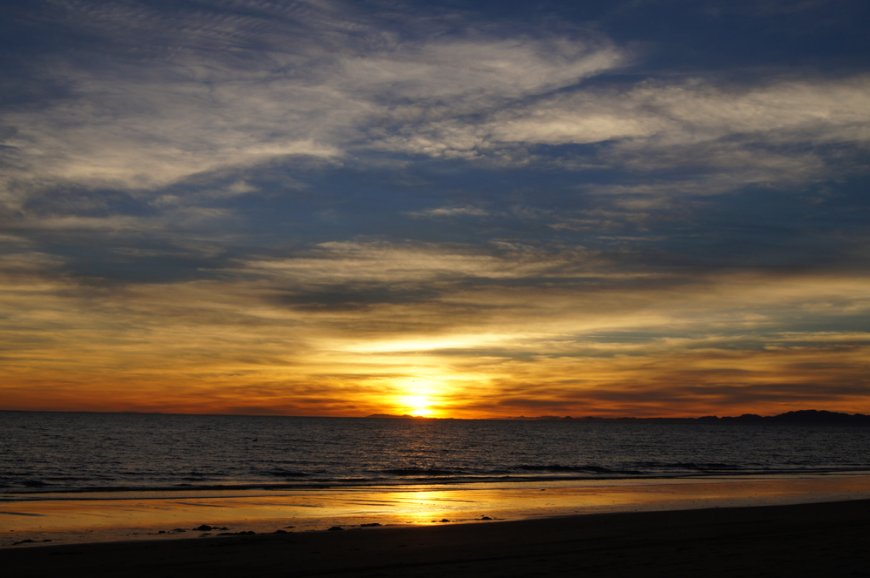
(91, 517)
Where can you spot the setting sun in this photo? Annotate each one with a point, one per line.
(417, 406)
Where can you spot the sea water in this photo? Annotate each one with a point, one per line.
(63, 452)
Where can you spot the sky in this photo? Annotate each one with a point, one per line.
(447, 208)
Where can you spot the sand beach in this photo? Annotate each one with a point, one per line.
(740, 526)
(822, 539)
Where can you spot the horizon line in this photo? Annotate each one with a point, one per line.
(547, 417)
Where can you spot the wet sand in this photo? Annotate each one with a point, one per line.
(822, 539)
(122, 516)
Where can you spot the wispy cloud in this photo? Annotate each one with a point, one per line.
(296, 82)
(437, 212)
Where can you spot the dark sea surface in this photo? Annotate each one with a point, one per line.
(41, 452)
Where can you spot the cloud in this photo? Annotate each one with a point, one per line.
(698, 125)
(217, 89)
(471, 73)
(564, 295)
(462, 211)
(419, 262)
(246, 84)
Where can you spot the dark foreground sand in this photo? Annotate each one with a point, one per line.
(824, 540)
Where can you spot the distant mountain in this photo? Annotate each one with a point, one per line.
(805, 416)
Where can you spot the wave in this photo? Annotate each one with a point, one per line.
(695, 466)
(403, 472)
(172, 454)
(281, 473)
(404, 477)
(35, 483)
(585, 469)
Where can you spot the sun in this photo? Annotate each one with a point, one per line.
(417, 405)
(420, 394)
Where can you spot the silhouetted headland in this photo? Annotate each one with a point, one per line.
(802, 417)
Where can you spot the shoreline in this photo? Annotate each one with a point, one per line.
(142, 516)
(814, 539)
(446, 481)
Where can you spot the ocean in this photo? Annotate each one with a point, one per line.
(72, 452)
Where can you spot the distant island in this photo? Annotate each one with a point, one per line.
(800, 417)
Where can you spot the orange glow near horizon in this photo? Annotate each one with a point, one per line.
(673, 358)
